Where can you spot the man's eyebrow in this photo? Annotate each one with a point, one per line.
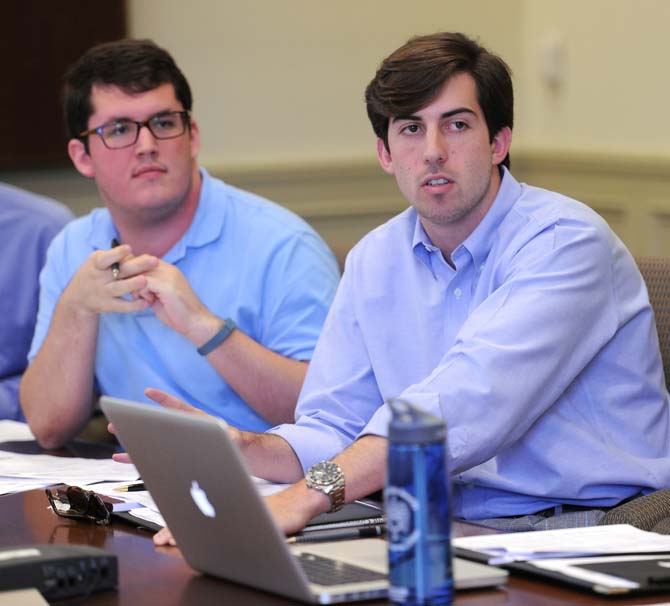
(449, 114)
(459, 110)
(161, 112)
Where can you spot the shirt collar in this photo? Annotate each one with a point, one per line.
(480, 241)
(205, 227)
(207, 222)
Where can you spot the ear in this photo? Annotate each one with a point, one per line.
(500, 145)
(195, 139)
(384, 156)
(80, 158)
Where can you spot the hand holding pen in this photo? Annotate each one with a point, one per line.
(116, 268)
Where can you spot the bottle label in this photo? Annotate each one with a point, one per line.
(401, 510)
(399, 595)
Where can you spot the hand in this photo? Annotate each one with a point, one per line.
(93, 289)
(168, 401)
(176, 305)
(164, 399)
(164, 537)
(119, 457)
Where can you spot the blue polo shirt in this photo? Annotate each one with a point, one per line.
(245, 257)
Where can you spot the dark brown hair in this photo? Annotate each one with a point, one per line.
(134, 66)
(410, 77)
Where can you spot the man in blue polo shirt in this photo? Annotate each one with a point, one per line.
(182, 282)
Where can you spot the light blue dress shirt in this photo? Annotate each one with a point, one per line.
(28, 223)
(246, 258)
(539, 349)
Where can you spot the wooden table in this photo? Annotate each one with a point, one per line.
(150, 575)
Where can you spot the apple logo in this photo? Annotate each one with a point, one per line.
(199, 496)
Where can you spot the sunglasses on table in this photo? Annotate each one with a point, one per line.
(77, 503)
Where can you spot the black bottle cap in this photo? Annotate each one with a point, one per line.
(412, 425)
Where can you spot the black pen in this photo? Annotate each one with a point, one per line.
(338, 534)
(131, 488)
(115, 266)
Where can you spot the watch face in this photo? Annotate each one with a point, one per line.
(323, 473)
(328, 478)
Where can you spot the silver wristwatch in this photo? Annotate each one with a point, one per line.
(328, 478)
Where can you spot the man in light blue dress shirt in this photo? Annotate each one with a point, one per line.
(513, 312)
(181, 282)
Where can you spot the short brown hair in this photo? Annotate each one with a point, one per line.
(410, 77)
(135, 66)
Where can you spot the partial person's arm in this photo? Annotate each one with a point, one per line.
(28, 224)
(57, 388)
(364, 468)
(9, 398)
(267, 381)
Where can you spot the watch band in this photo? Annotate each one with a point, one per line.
(223, 333)
(327, 477)
(337, 497)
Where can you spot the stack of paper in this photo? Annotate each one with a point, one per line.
(564, 543)
(19, 472)
(607, 559)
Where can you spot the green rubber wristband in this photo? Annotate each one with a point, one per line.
(228, 327)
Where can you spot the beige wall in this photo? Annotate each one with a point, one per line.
(282, 81)
(278, 88)
(614, 93)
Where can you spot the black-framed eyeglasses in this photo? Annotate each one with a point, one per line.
(75, 502)
(124, 132)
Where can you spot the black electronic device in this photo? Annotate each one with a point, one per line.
(58, 571)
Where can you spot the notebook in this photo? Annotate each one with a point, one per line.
(609, 575)
(204, 490)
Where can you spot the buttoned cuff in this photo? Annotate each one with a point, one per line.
(312, 444)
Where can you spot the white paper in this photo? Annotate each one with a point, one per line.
(140, 498)
(12, 485)
(148, 515)
(25, 472)
(12, 431)
(568, 542)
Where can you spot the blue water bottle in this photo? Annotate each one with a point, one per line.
(418, 508)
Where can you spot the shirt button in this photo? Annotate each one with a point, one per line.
(458, 292)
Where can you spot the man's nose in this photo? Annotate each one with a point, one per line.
(436, 148)
(146, 142)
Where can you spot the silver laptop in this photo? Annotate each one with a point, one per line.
(202, 486)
